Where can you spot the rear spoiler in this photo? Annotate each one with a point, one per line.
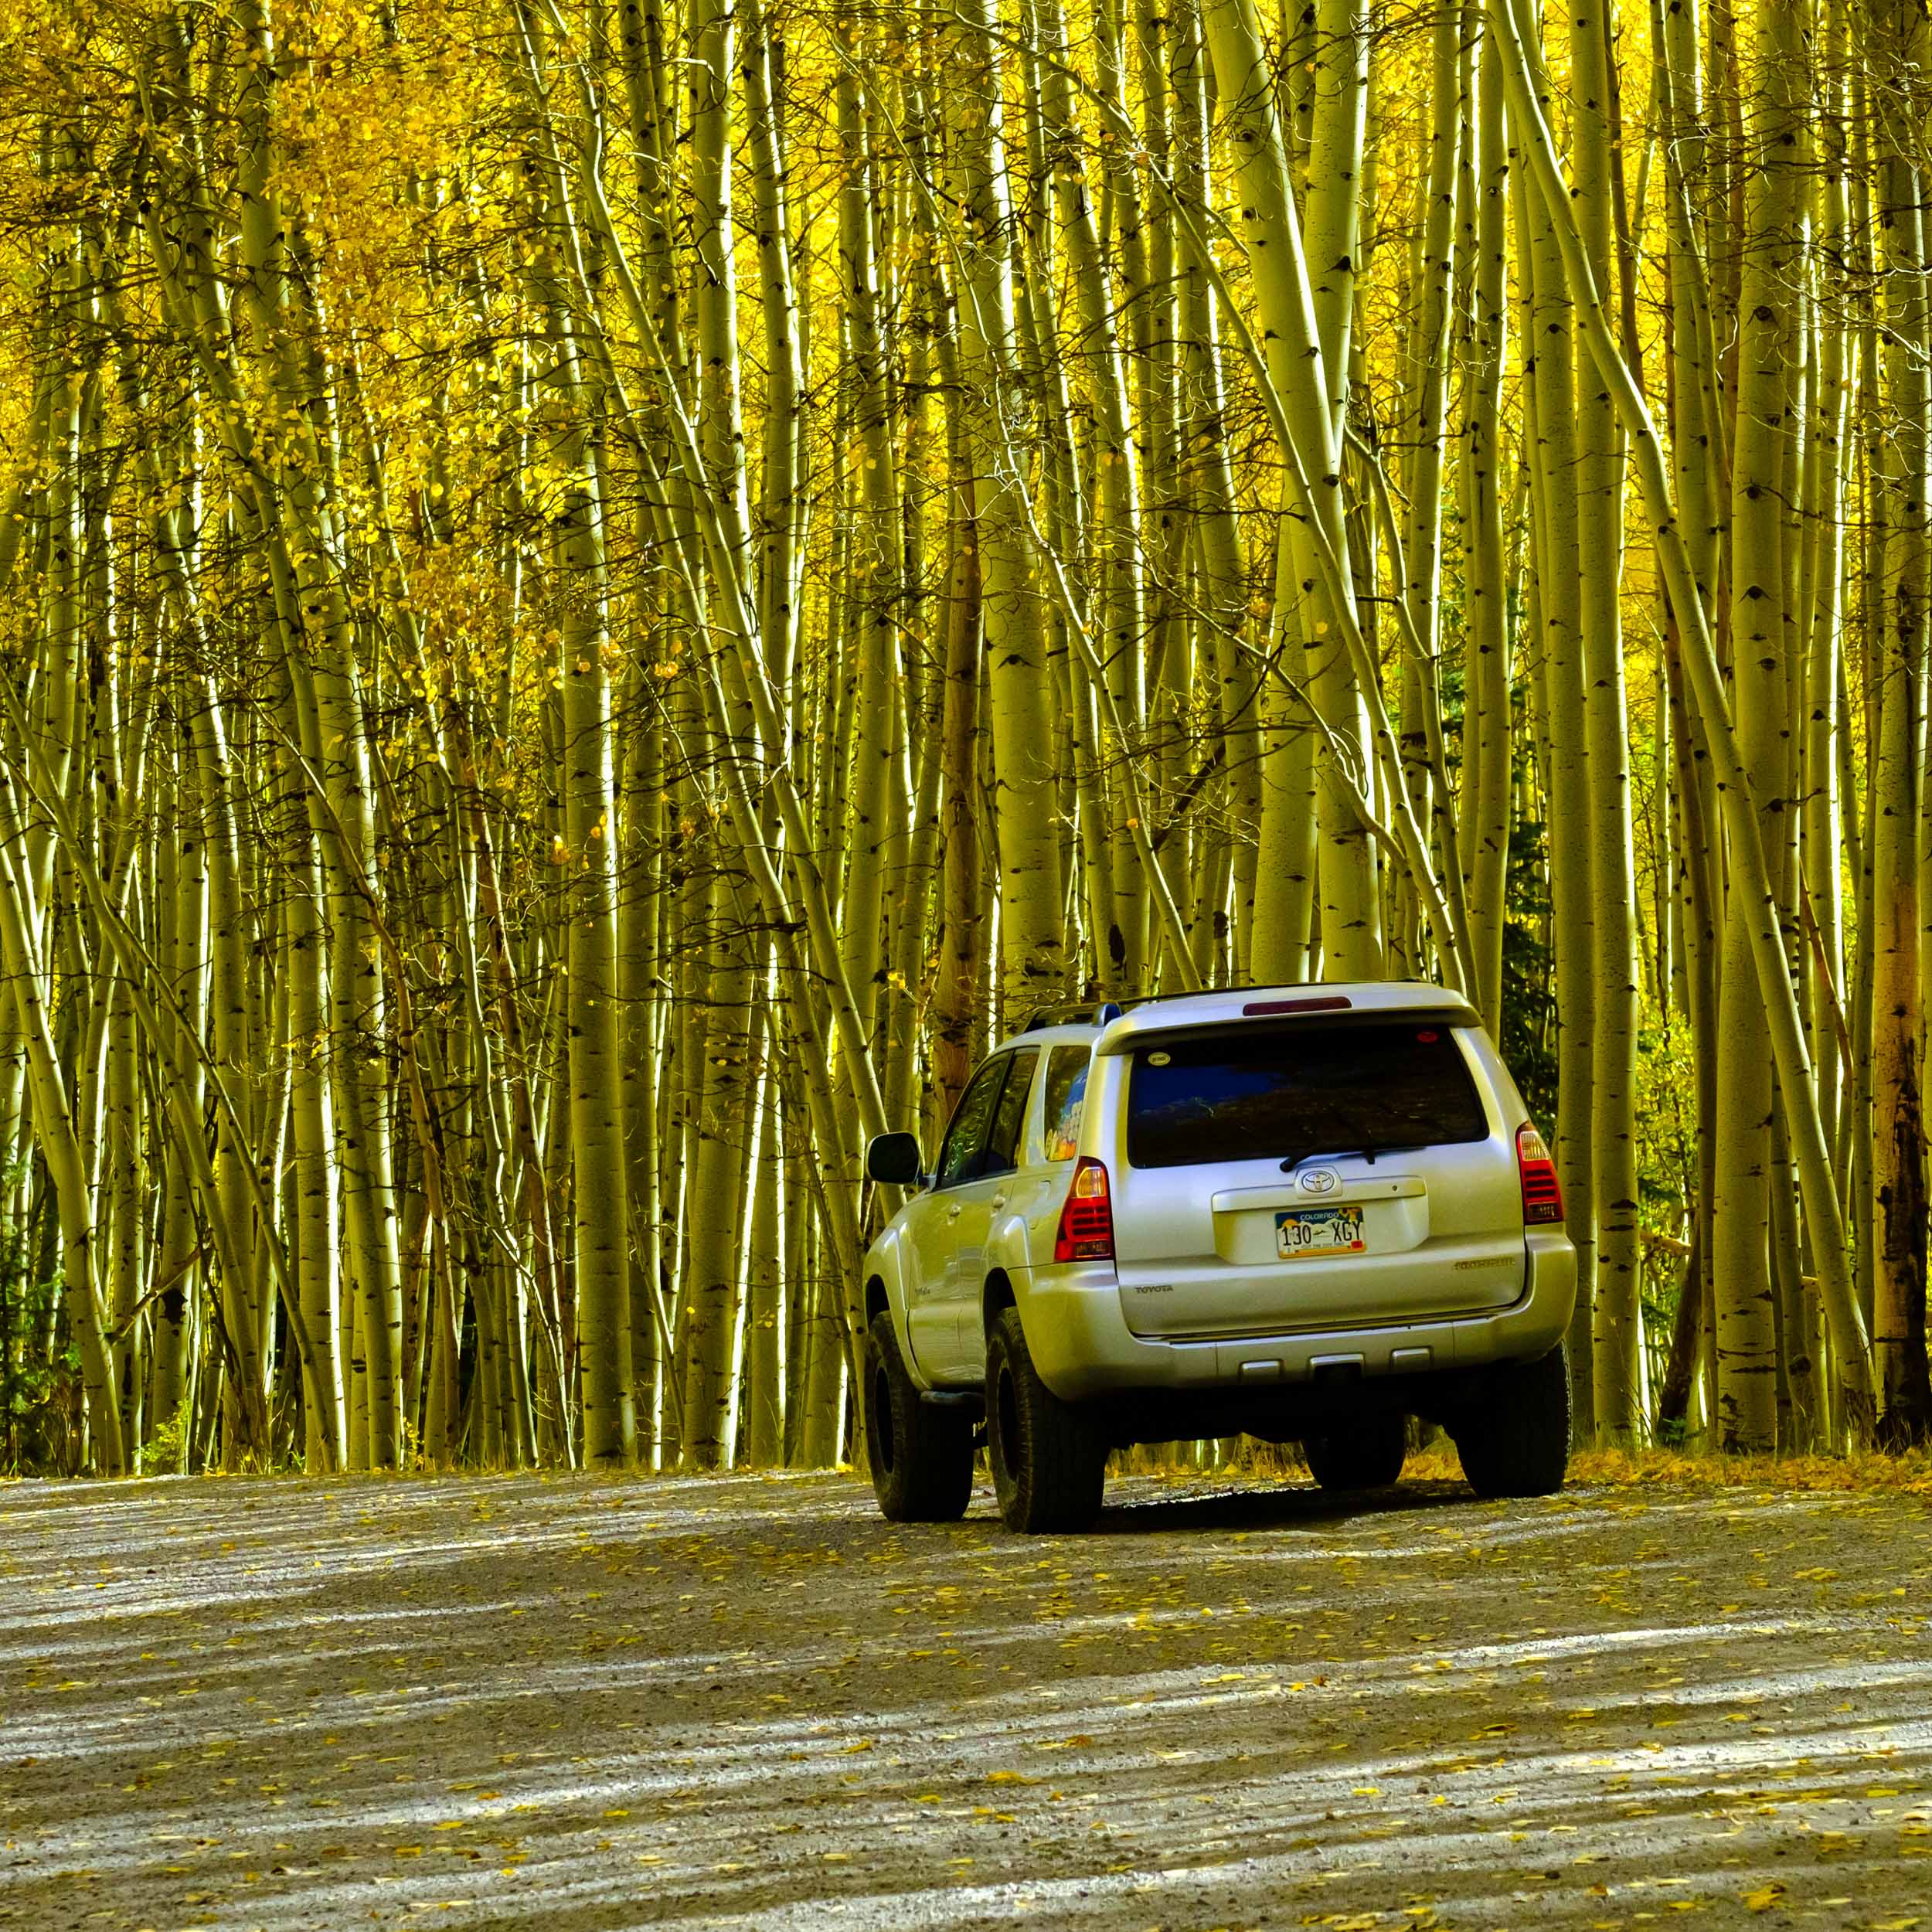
(1268, 1016)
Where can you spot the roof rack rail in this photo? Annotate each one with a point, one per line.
(1084, 1012)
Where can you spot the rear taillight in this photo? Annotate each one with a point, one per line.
(1087, 1222)
(1542, 1193)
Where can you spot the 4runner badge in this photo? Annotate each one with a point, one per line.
(1320, 1180)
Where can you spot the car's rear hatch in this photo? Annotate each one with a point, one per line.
(1313, 1174)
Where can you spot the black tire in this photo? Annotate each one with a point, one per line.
(1368, 1455)
(1049, 1461)
(921, 1455)
(1514, 1441)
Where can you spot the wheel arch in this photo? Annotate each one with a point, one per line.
(997, 1294)
(883, 1291)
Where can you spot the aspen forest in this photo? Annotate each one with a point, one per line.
(596, 596)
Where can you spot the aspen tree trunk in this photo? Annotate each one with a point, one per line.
(1700, 473)
(1548, 348)
(592, 1120)
(638, 965)
(122, 1168)
(598, 1190)
(183, 962)
(714, 1285)
(960, 940)
(1282, 789)
(1286, 874)
(1032, 965)
(315, 1233)
(56, 688)
(1211, 483)
(798, 1309)
(1820, 638)
(1114, 537)
(1165, 523)
(781, 513)
(1699, 444)
(1898, 1230)
(1861, 1130)
(764, 1436)
(1485, 810)
(1435, 274)
(1119, 895)
(1061, 517)
(1747, 1356)
(781, 503)
(1619, 1401)
(644, 53)
(873, 576)
(246, 1435)
(362, 1147)
(1697, 844)
(1348, 875)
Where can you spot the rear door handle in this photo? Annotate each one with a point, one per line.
(952, 1213)
(999, 1200)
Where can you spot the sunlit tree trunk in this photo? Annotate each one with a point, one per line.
(1548, 345)
(1032, 967)
(1486, 751)
(1761, 474)
(1898, 1209)
(1348, 871)
(1617, 1355)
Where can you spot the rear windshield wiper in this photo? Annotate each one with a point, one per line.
(1367, 1149)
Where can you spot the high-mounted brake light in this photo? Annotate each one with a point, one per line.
(1326, 1003)
(1542, 1193)
(1086, 1221)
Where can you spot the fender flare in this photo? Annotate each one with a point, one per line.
(1009, 1263)
(884, 1279)
(1007, 1250)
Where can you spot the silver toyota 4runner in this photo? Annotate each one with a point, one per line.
(1302, 1213)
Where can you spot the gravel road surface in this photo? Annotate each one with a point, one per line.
(747, 1702)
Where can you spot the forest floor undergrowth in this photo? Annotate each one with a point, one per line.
(747, 1702)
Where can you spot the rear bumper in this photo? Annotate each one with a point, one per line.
(1082, 1346)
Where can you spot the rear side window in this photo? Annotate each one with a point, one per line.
(1285, 1093)
(1064, 1098)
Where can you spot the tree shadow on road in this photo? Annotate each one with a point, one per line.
(1289, 1506)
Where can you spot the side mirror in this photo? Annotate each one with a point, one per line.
(893, 1158)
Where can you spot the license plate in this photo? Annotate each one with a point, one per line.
(1335, 1230)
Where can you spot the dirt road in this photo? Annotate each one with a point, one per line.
(514, 1703)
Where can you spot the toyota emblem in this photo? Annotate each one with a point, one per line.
(1319, 1180)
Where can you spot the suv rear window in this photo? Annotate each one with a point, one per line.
(1285, 1093)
